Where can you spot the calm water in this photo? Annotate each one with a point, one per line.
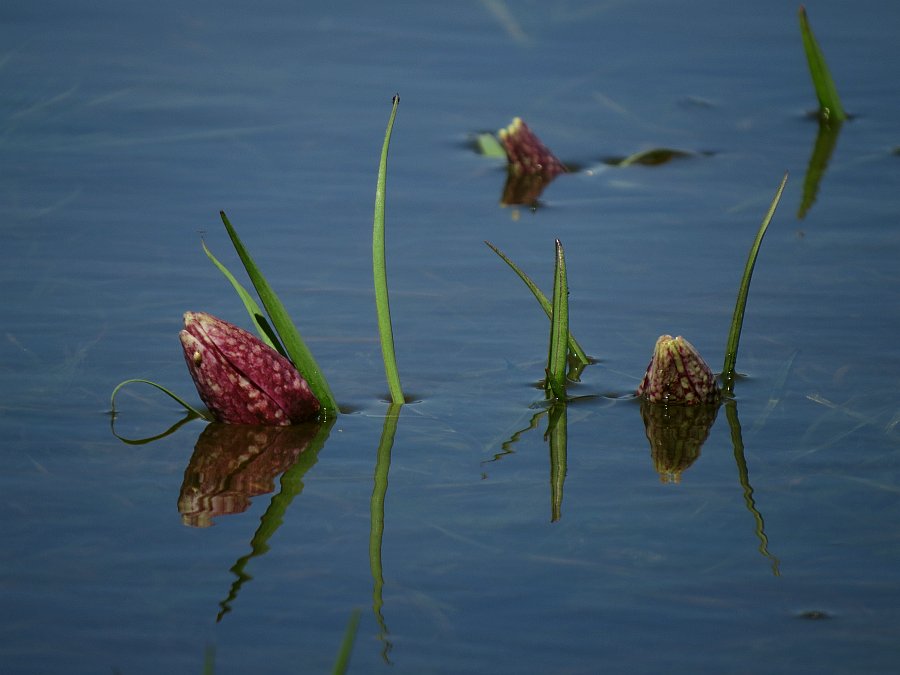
(124, 128)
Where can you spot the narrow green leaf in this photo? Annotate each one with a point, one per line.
(184, 404)
(488, 145)
(737, 319)
(343, 657)
(830, 107)
(559, 328)
(263, 328)
(382, 301)
(574, 347)
(296, 348)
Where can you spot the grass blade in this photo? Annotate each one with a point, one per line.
(574, 347)
(263, 328)
(737, 319)
(296, 348)
(343, 657)
(184, 404)
(382, 302)
(559, 328)
(830, 107)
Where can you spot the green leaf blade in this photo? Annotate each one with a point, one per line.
(559, 328)
(575, 348)
(263, 328)
(293, 343)
(379, 268)
(830, 107)
(737, 319)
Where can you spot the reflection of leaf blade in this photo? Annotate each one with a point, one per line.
(271, 520)
(744, 476)
(557, 435)
(654, 157)
(826, 140)
(376, 526)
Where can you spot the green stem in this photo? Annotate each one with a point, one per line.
(382, 302)
(737, 319)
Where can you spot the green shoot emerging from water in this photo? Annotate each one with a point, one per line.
(737, 320)
(830, 108)
(382, 302)
(574, 347)
(559, 328)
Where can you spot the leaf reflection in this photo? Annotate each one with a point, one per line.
(299, 442)
(376, 528)
(738, 442)
(557, 436)
(676, 435)
(826, 140)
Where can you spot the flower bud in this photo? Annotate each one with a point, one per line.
(677, 374)
(240, 378)
(526, 154)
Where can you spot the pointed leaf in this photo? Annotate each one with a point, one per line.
(293, 343)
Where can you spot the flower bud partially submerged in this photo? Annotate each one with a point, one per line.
(526, 154)
(240, 378)
(677, 374)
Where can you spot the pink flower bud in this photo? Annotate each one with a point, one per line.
(677, 374)
(526, 154)
(240, 378)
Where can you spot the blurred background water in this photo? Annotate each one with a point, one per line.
(125, 128)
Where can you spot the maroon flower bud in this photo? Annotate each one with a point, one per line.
(526, 154)
(240, 378)
(677, 374)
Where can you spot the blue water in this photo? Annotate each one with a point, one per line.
(124, 128)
